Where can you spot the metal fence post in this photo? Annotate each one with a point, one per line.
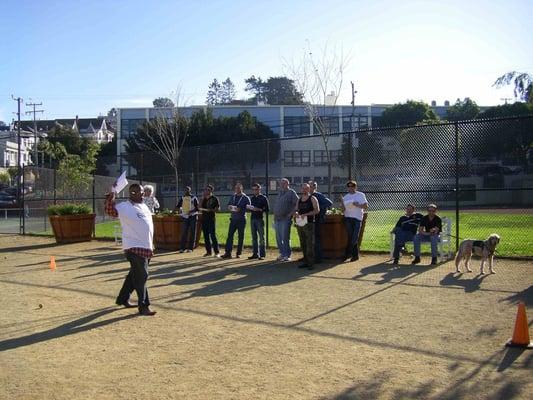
(94, 205)
(267, 183)
(55, 186)
(142, 169)
(197, 169)
(456, 126)
(23, 225)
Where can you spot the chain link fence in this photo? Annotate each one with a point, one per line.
(479, 173)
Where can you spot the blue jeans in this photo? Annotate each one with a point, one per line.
(235, 225)
(283, 236)
(258, 229)
(400, 238)
(434, 239)
(188, 227)
(353, 226)
(210, 235)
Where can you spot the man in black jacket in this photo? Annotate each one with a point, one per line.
(405, 230)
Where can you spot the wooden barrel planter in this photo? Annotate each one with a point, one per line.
(334, 238)
(73, 228)
(167, 232)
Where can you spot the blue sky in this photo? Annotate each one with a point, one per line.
(84, 57)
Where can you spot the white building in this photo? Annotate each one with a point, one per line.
(9, 148)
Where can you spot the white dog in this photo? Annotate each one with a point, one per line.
(482, 248)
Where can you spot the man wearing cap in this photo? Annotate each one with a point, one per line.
(137, 243)
(428, 231)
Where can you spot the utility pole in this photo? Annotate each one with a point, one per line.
(35, 155)
(353, 135)
(18, 100)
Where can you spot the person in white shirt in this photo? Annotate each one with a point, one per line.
(353, 205)
(137, 242)
(149, 199)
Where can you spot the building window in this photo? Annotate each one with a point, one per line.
(327, 124)
(350, 123)
(296, 126)
(320, 157)
(129, 127)
(298, 158)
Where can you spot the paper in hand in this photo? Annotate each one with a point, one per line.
(121, 183)
(301, 220)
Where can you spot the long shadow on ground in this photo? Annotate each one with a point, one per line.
(70, 328)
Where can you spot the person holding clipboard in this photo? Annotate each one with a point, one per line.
(353, 205)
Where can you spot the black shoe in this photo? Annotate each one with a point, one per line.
(237, 256)
(207, 255)
(300, 259)
(319, 261)
(395, 261)
(126, 304)
(146, 311)
(253, 257)
(303, 266)
(416, 261)
(354, 258)
(310, 268)
(433, 260)
(226, 256)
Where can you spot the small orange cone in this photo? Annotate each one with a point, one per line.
(521, 330)
(52, 263)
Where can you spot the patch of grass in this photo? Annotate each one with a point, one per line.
(516, 230)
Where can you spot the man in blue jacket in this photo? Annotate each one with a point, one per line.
(237, 207)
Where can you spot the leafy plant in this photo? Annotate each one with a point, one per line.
(166, 213)
(334, 211)
(69, 209)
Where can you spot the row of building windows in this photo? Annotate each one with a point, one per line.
(292, 126)
(302, 158)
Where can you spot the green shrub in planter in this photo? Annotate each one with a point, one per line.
(69, 209)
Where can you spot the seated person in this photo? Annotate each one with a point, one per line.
(405, 230)
(428, 231)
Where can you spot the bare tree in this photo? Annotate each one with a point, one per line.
(319, 77)
(166, 135)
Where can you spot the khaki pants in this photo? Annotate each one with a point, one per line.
(307, 242)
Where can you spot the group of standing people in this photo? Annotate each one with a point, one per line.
(307, 211)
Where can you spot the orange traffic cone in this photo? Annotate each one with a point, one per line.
(521, 330)
(52, 263)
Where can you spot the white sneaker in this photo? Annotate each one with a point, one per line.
(287, 259)
(188, 251)
(217, 255)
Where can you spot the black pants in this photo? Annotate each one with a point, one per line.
(235, 225)
(210, 235)
(188, 227)
(135, 280)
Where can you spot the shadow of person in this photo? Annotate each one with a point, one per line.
(525, 296)
(70, 328)
(469, 285)
(392, 272)
(248, 277)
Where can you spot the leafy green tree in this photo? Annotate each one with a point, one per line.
(462, 110)
(523, 84)
(408, 113)
(227, 93)
(276, 90)
(163, 102)
(106, 156)
(214, 93)
(511, 138)
(5, 178)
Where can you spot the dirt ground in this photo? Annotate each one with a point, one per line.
(243, 330)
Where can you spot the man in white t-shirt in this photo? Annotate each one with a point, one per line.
(353, 204)
(137, 243)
